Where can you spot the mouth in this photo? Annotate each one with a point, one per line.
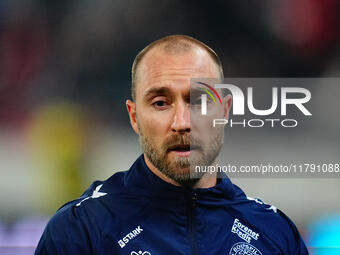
(182, 150)
(180, 147)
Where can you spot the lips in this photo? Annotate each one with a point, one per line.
(182, 150)
(180, 147)
(183, 147)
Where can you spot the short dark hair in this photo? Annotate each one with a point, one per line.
(172, 44)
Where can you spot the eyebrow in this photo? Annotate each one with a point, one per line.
(156, 91)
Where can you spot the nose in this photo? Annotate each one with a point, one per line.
(181, 118)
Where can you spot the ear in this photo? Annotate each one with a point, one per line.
(227, 102)
(131, 108)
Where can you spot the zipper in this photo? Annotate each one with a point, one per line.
(192, 223)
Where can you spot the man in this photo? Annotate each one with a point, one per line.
(156, 208)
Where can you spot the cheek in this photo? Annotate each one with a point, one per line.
(154, 124)
(202, 125)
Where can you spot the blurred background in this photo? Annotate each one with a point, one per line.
(65, 75)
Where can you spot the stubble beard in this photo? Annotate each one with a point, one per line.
(178, 169)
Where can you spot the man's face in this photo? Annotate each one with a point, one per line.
(161, 112)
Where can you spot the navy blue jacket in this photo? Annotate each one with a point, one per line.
(136, 213)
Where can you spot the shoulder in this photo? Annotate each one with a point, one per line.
(75, 227)
(272, 224)
(93, 202)
(268, 217)
(72, 218)
(65, 233)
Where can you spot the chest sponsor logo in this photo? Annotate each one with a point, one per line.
(243, 248)
(140, 253)
(243, 231)
(122, 242)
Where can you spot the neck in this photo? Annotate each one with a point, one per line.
(203, 182)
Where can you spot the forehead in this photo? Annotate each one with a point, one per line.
(160, 68)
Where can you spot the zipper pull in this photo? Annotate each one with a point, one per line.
(194, 198)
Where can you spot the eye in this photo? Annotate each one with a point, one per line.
(160, 104)
(195, 101)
